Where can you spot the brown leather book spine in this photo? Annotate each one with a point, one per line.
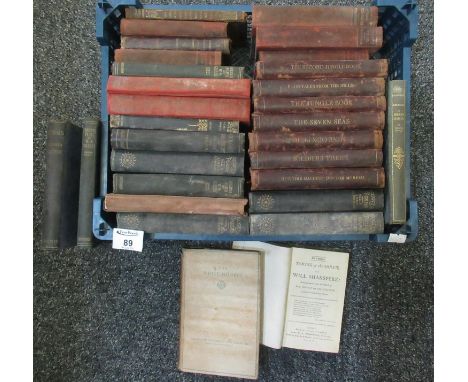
(319, 69)
(169, 57)
(185, 14)
(306, 56)
(173, 28)
(322, 178)
(186, 87)
(312, 104)
(319, 87)
(230, 109)
(359, 139)
(174, 204)
(315, 159)
(290, 38)
(313, 16)
(176, 43)
(319, 121)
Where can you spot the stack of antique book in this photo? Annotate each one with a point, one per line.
(177, 153)
(319, 111)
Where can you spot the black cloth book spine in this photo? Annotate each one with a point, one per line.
(162, 123)
(320, 223)
(183, 71)
(177, 141)
(181, 185)
(315, 201)
(60, 212)
(185, 223)
(177, 163)
(89, 155)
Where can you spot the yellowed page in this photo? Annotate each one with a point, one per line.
(220, 312)
(315, 300)
(275, 288)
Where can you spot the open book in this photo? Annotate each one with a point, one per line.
(303, 296)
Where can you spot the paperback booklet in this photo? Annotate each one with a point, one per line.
(303, 296)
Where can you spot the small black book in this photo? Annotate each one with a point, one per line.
(60, 213)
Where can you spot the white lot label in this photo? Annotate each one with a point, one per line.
(396, 238)
(128, 239)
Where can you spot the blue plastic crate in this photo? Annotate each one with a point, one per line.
(399, 18)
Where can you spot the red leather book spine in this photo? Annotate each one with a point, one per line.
(319, 69)
(319, 121)
(308, 16)
(180, 107)
(172, 28)
(176, 43)
(184, 87)
(169, 57)
(290, 38)
(319, 87)
(359, 139)
(306, 56)
(315, 159)
(311, 104)
(320, 178)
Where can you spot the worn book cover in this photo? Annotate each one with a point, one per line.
(220, 312)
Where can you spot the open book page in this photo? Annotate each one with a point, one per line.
(220, 312)
(275, 287)
(315, 300)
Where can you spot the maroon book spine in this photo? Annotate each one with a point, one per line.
(315, 159)
(176, 43)
(172, 28)
(309, 16)
(297, 37)
(168, 57)
(311, 104)
(359, 139)
(322, 178)
(319, 69)
(319, 87)
(280, 57)
(374, 120)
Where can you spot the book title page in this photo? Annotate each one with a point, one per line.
(315, 300)
(220, 312)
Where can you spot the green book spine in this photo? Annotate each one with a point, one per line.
(184, 223)
(89, 153)
(395, 211)
(179, 124)
(182, 71)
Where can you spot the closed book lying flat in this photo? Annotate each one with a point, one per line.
(180, 107)
(168, 70)
(311, 104)
(319, 87)
(176, 43)
(273, 141)
(318, 69)
(315, 201)
(169, 57)
(306, 37)
(177, 141)
(174, 204)
(177, 163)
(336, 120)
(312, 16)
(306, 56)
(320, 223)
(184, 14)
(183, 185)
(172, 28)
(317, 178)
(220, 312)
(184, 87)
(178, 124)
(184, 223)
(316, 159)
